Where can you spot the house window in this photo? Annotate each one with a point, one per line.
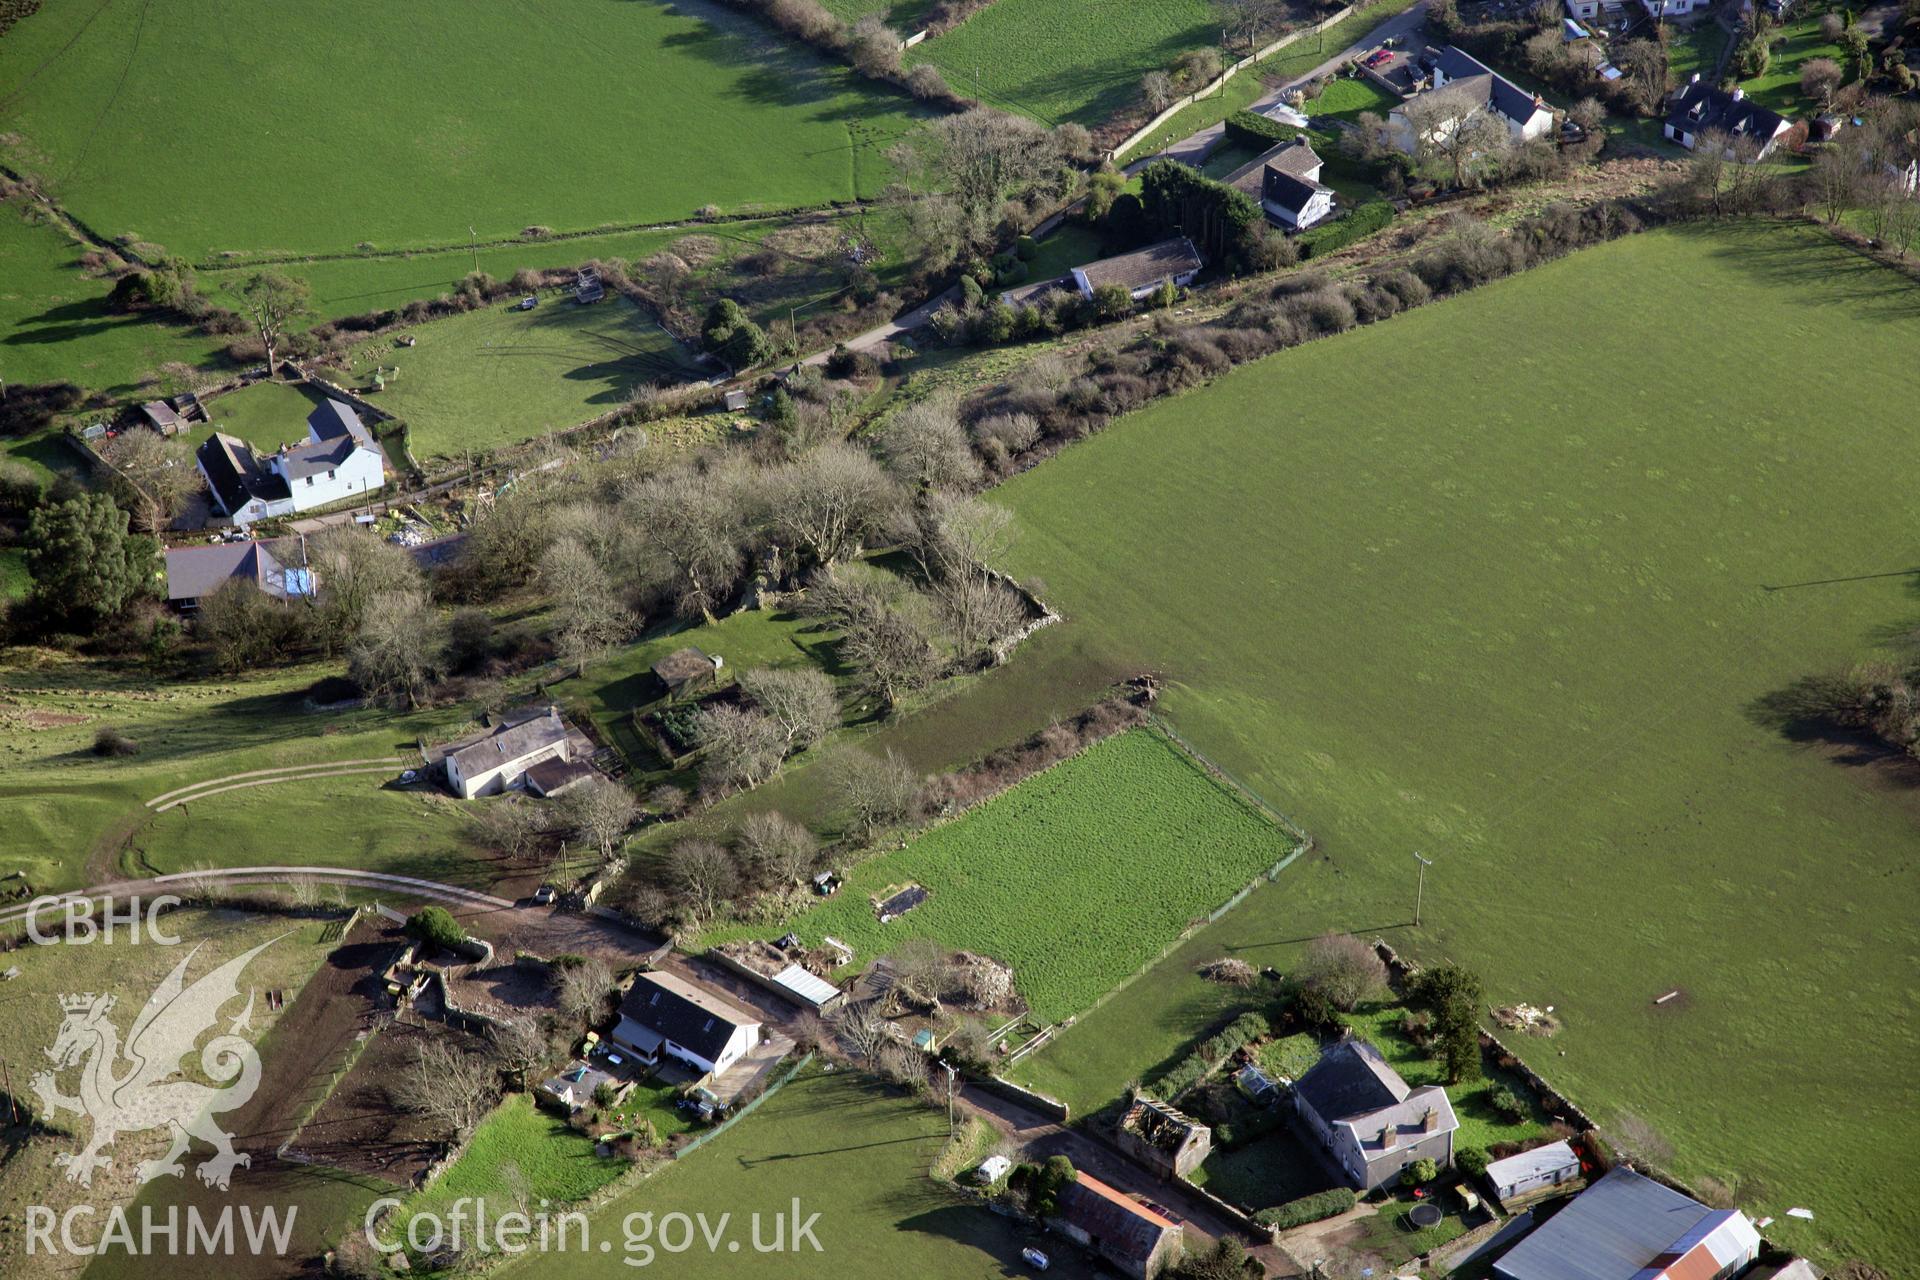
(309, 482)
(329, 473)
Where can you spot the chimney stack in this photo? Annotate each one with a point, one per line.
(1389, 1136)
(1739, 93)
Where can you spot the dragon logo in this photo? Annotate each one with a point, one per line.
(138, 1087)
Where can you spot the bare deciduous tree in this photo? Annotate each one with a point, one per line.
(582, 989)
(801, 701)
(687, 532)
(862, 1028)
(396, 651)
(162, 469)
(273, 302)
(452, 1085)
(510, 826)
(592, 618)
(1157, 88)
(925, 446)
(1451, 127)
(829, 501)
(519, 1045)
(704, 875)
(600, 811)
(1820, 79)
(779, 849)
(879, 790)
(979, 610)
(354, 566)
(971, 166)
(920, 969)
(741, 746)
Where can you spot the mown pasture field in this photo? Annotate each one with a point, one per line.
(520, 1151)
(852, 1151)
(309, 130)
(65, 804)
(499, 375)
(55, 325)
(1059, 61)
(1076, 877)
(1501, 582)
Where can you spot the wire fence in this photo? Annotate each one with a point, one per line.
(682, 1152)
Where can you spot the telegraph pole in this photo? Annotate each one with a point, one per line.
(473, 242)
(1420, 887)
(950, 1070)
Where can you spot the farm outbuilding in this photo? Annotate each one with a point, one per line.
(685, 670)
(806, 989)
(1536, 1170)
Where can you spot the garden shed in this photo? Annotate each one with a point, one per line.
(685, 670)
(1534, 1170)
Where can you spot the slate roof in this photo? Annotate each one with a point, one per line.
(1125, 1227)
(335, 433)
(1617, 1228)
(1351, 1079)
(1288, 192)
(509, 744)
(1143, 267)
(335, 419)
(235, 475)
(1700, 107)
(193, 572)
(551, 777)
(692, 1017)
(1498, 92)
(1297, 158)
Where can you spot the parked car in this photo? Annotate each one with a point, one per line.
(544, 895)
(1036, 1259)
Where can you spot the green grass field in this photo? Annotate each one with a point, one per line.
(519, 1154)
(280, 142)
(64, 803)
(1499, 582)
(498, 375)
(1076, 877)
(54, 321)
(851, 1151)
(1059, 61)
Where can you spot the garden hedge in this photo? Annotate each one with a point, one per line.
(1250, 129)
(1297, 1213)
(1362, 222)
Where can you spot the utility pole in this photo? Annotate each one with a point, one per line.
(950, 1071)
(1420, 889)
(473, 242)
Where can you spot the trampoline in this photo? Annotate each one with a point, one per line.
(1424, 1215)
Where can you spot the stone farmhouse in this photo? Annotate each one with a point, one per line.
(1368, 1119)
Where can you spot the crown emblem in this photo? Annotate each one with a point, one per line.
(77, 1004)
